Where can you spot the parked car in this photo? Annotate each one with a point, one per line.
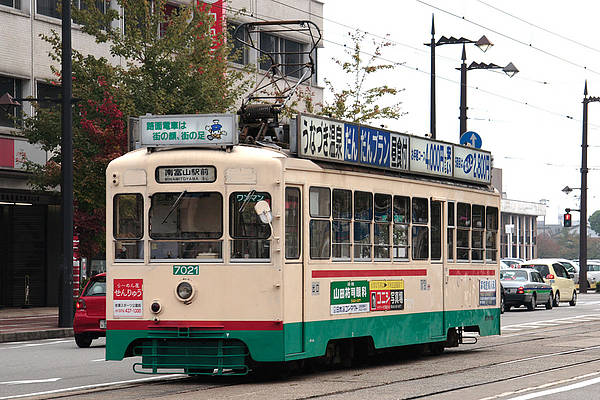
(512, 262)
(525, 287)
(556, 275)
(90, 312)
(593, 273)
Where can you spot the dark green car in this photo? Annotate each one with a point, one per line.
(525, 286)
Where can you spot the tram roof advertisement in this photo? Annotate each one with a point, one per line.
(333, 140)
(189, 130)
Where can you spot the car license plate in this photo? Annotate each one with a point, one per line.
(102, 324)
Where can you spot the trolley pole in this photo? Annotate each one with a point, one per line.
(65, 315)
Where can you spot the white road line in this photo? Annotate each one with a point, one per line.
(545, 385)
(42, 340)
(34, 345)
(99, 359)
(95, 386)
(30, 381)
(548, 392)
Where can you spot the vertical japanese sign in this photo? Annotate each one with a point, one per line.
(76, 266)
(128, 297)
(472, 164)
(430, 157)
(322, 138)
(349, 297)
(487, 292)
(215, 11)
(386, 295)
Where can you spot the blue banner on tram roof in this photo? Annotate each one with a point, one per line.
(332, 140)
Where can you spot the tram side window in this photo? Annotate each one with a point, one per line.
(436, 230)
(401, 224)
(128, 226)
(381, 231)
(250, 235)
(320, 229)
(451, 228)
(477, 236)
(342, 216)
(363, 215)
(420, 231)
(491, 233)
(292, 223)
(463, 214)
(186, 225)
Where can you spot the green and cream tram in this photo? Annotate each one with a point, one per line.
(221, 256)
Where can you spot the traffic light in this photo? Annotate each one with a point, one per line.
(567, 220)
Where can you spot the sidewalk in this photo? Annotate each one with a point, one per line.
(19, 324)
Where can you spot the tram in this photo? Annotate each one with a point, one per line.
(223, 256)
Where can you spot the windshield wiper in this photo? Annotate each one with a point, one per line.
(174, 206)
(246, 200)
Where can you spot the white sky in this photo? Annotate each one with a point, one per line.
(536, 145)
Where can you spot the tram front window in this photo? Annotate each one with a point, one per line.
(186, 225)
(128, 222)
(250, 235)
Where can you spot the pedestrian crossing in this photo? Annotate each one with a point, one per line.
(551, 322)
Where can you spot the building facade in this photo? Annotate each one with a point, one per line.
(30, 221)
(519, 228)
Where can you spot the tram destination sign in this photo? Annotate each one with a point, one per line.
(204, 130)
(342, 142)
(186, 174)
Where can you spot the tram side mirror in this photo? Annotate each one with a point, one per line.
(263, 210)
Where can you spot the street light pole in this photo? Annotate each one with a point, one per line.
(483, 43)
(509, 70)
(584, 171)
(65, 315)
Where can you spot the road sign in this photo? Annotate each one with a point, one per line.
(471, 138)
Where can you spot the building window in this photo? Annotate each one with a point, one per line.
(11, 3)
(288, 53)
(50, 8)
(170, 9)
(239, 53)
(14, 87)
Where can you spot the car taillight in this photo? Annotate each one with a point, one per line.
(549, 276)
(80, 304)
(520, 290)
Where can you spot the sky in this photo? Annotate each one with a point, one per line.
(532, 123)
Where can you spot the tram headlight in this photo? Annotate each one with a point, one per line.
(185, 291)
(155, 307)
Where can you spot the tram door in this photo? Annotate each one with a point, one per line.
(293, 272)
(438, 262)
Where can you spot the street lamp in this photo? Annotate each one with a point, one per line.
(483, 43)
(584, 170)
(509, 70)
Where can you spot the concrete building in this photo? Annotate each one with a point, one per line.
(30, 222)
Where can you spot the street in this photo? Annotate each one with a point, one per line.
(550, 354)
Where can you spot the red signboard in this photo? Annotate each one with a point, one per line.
(380, 300)
(128, 289)
(215, 10)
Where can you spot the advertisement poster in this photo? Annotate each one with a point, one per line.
(487, 292)
(349, 297)
(386, 295)
(128, 297)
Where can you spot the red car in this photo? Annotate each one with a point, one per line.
(90, 312)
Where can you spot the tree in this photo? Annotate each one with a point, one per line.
(358, 102)
(594, 220)
(183, 70)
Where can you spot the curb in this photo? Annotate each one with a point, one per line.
(36, 335)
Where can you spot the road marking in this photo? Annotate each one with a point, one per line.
(99, 359)
(548, 392)
(545, 385)
(95, 386)
(30, 381)
(552, 322)
(35, 344)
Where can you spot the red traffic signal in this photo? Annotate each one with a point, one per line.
(567, 220)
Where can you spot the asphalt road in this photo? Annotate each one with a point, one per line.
(545, 354)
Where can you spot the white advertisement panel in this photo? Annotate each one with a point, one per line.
(321, 138)
(472, 165)
(430, 157)
(189, 130)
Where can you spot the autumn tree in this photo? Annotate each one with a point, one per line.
(170, 63)
(358, 100)
(594, 221)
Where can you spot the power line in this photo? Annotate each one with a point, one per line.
(530, 45)
(540, 27)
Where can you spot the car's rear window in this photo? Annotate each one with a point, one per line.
(97, 287)
(513, 275)
(541, 268)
